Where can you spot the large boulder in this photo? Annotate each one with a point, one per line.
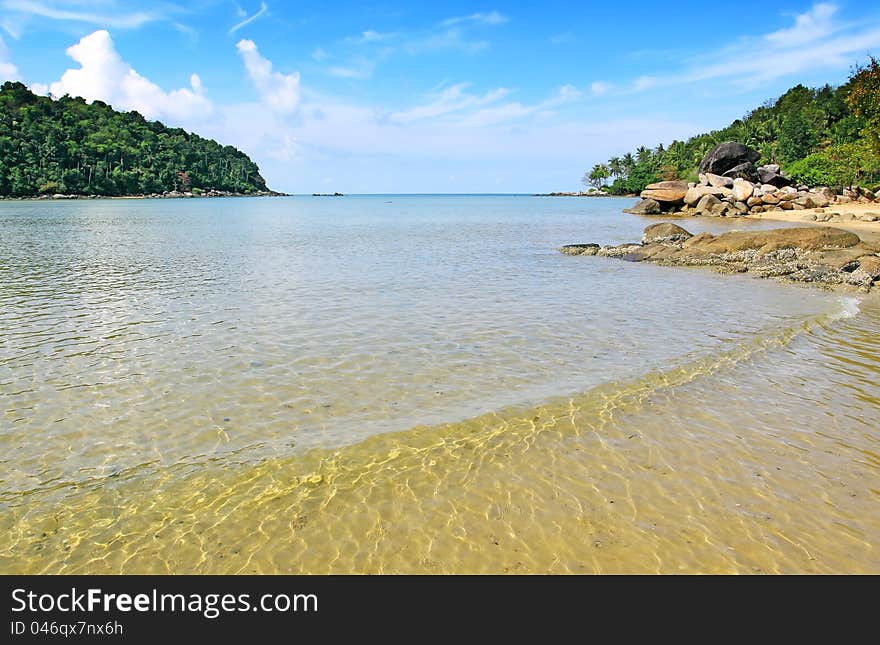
(665, 232)
(813, 238)
(742, 189)
(744, 170)
(772, 175)
(668, 192)
(727, 155)
(645, 207)
(707, 203)
(718, 181)
(696, 193)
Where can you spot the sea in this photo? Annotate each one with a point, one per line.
(419, 384)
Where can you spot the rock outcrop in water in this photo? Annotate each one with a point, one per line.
(818, 255)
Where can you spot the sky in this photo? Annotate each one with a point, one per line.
(456, 97)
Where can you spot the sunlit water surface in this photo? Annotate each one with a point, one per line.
(419, 384)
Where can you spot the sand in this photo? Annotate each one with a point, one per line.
(868, 231)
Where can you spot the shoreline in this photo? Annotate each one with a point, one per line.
(171, 195)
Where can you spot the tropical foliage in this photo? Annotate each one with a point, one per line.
(825, 136)
(70, 146)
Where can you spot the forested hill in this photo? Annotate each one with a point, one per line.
(820, 136)
(72, 147)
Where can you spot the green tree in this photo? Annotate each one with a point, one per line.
(864, 99)
(597, 175)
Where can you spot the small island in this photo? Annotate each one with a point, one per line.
(69, 149)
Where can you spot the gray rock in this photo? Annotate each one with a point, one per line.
(665, 232)
(727, 155)
(718, 181)
(744, 171)
(645, 207)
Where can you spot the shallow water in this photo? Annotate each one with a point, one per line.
(409, 384)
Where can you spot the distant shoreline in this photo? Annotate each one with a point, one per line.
(169, 195)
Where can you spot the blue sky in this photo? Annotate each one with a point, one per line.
(453, 97)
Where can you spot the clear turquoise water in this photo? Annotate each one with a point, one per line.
(141, 336)
(172, 329)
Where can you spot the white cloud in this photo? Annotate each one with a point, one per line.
(491, 18)
(61, 11)
(369, 36)
(451, 99)
(104, 75)
(359, 69)
(450, 39)
(600, 87)
(816, 23)
(816, 41)
(279, 91)
(263, 9)
(8, 71)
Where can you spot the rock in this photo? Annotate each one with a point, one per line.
(645, 207)
(669, 192)
(580, 249)
(707, 203)
(768, 188)
(692, 184)
(718, 181)
(786, 205)
(806, 202)
(665, 232)
(753, 201)
(770, 174)
(704, 180)
(812, 238)
(741, 207)
(809, 217)
(742, 189)
(757, 209)
(870, 264)
(727, 155)
(847, 217)
(743, 171)
(696, 193)
(770, 200)
(843, 199)
(868, 217)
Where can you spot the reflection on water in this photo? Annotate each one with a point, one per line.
(294, 385)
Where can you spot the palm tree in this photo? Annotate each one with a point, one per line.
(615, 166)
(643, 154)
(628, 163)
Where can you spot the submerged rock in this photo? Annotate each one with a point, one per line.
(809, 254)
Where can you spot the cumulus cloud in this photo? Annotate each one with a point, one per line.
(279, 91)
(104, 75)
(8, 71)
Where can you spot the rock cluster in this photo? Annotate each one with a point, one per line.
(818, 255)
(731, 186)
